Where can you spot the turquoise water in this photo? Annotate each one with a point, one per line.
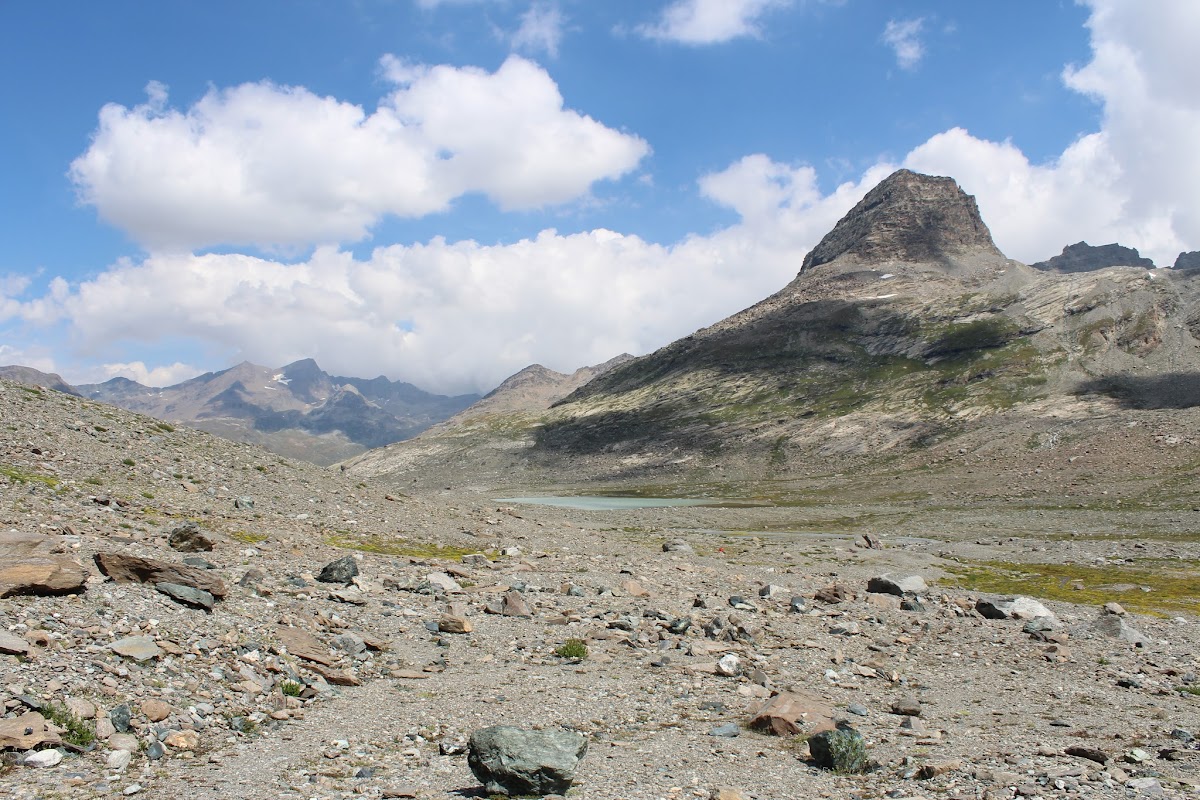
(609, 503)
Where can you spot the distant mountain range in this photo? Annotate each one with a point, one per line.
(298, 410)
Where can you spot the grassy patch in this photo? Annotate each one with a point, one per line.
(17, 475)
(246, 537)
(396, 546)
(1173, 586)
(78, 732)
(572, 648)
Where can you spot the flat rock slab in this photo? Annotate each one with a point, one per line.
(303, 644)
(26, 732)
(515, 761)
(791, 713)
(186, 595)
(139, 648)
(13, 645)
(124, 568)
(28, 565)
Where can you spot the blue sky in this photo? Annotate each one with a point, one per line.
(444, 191)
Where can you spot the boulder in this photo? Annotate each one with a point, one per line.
(188, 538)
(1114, 626)
(26, 732)
(29, 566)
(897, 585)
(791, 713)
(341, 571)
(1013, 608)
(13, 645)
(124, 568)
(515, 761)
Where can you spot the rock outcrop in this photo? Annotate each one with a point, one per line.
(1189, 260)
(907, 217)
(1083, 257)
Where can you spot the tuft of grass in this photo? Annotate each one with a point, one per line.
(572, 648)
(1173, 586)
(129, 462)
(79, 732)
(840, 750)
(291, 688)
(165, 427)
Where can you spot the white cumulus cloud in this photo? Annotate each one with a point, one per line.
(541, 30)
(904, 37)
(262, 164)
(709, 21)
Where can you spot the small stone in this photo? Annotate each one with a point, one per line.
(907, 706)
(182, 740)
(139, 648)
(118, 760)
(1114, 608)
(798, 605)
(936, 768)
(104, 728)
(450, 623)
(244, 503)
(123, 741)
(677, 546)
(727, 731)
(858, 709)
(729, 665)
(634, 589)
(726, 793)
(43, 759)
(81, 708)
(188, 538)
(155, 751)
(514, 605)
(156, 710)
(120, 717)
(1090, 753)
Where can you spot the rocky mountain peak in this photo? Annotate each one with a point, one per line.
(907, 217)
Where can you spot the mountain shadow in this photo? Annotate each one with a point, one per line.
(1172, 390)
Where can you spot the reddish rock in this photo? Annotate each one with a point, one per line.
(124, 568)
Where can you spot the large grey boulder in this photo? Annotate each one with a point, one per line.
(515, 761)
(1114, 626)
(1013, 608)
(898, 585)
(341, 571)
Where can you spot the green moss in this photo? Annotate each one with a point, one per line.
(396, 546)
(248, 538)
(17, 475)
(1173, 586)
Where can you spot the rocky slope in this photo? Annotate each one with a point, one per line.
(307, 674)
(298, 410)
(906, 332)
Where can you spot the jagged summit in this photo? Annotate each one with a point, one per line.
(908, 217)
(1083, 257)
